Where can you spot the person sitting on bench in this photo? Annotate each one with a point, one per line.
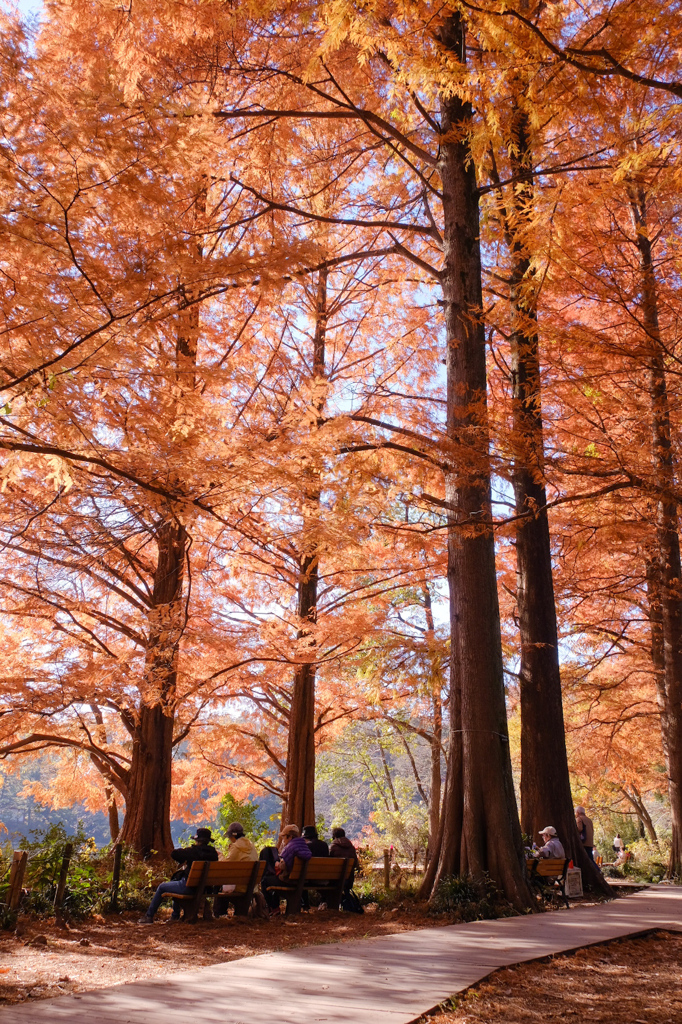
(201, 850)
(290, 846)
(342, 847)
(241, 849)
(318, 847)
(552, 847)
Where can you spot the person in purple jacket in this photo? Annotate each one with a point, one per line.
(290, 846)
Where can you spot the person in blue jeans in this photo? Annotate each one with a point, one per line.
(201, 850)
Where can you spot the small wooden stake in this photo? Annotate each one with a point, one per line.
(387, 871)
(61, 884)
(116, 877)
(16, 878)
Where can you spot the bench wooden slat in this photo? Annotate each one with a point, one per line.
(325, 873)
(203, 874)
(222, 872)
(320, 869)
(551, 866)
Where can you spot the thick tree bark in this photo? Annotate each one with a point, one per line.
(299, 804)
(147, 822)
(482, 834)
(436, 733)
(112, 813)
(667, 533)
(545, 784)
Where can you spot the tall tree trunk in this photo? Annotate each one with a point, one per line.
(489, 840)
(147, 822)
(667, 531)
(435, 740)
(112, 814)
(299, 803)
(437, 729)
(545, 784)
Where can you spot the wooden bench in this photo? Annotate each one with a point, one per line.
(203, 874)
(551, 869)
(326, 874)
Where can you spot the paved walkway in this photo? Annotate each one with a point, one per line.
(388, 980)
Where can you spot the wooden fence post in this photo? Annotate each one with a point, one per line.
(61, 884)
(387, 871)
(116, 877)
(16, 878)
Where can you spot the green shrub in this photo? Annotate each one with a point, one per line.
(89, 878)
(469, 900)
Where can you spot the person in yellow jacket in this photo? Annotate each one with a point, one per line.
(241, 849)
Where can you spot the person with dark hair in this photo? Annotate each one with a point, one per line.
(342, 847)
(318, 847)
(201, 850)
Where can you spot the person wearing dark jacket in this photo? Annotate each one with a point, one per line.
(342, 847)
(318, 847)
(201, 850)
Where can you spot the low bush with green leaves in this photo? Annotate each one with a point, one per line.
(469, 900)
(88, 882)
(649, 862)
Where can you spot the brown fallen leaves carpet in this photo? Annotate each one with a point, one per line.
(630, 981)
(42, 961)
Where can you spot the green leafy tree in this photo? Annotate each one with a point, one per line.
(255, 828)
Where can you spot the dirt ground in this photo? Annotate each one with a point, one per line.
(41, 960)
(631, 981)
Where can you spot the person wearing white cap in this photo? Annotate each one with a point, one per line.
(552, 847)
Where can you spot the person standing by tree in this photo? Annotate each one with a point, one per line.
(586, 831)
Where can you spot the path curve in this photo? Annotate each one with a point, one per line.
(390, 980)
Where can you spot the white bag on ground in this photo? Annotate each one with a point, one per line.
(574, 883)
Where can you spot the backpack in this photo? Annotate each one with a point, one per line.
(351, 904)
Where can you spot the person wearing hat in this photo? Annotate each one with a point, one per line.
(201, 850)
(318, 847)
(552, 847)
(290, 846)
(241, 849)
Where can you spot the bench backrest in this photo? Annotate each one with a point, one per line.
(322, 869)
(551, 866)
(225, 872)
